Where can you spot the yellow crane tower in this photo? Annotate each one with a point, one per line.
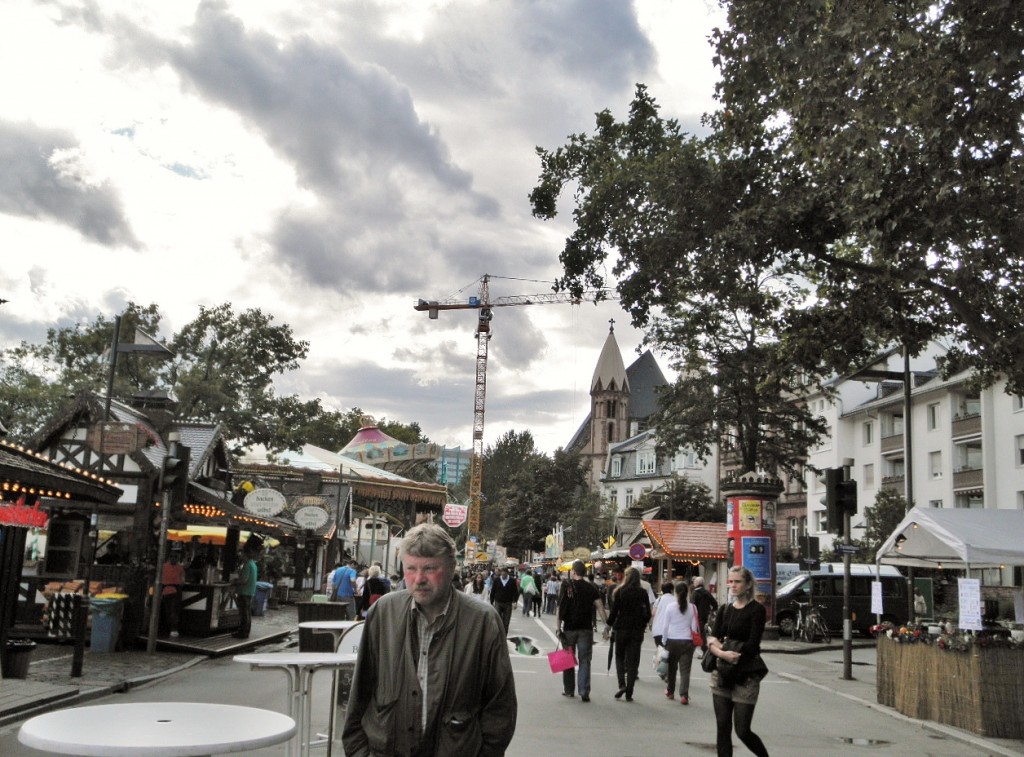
(484, 304)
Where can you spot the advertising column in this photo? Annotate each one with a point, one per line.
(750, 530)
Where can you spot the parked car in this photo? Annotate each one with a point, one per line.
(825, 589)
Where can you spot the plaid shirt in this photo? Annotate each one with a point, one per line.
(424, 635)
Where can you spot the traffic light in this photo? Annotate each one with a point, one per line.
(175, 475)
(840, 498)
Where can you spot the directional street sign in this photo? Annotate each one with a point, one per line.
(847, 549)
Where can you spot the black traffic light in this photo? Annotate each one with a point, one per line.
(175, 475)
(840, 498)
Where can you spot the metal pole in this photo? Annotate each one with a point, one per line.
(908, 466)
(161, 552)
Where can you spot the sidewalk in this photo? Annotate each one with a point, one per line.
(50, 686)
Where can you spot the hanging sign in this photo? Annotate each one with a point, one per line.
(455, 515)
(311, 517)
(265, 503)
(637, 551)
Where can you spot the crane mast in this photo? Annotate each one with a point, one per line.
(485, 305)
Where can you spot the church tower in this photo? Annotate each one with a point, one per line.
(609, 406)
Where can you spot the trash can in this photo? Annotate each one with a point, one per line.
(16, 657)
(106, 621)
(259, 599)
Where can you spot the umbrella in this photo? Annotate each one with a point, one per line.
(611, 649)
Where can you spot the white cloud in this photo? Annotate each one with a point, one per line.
(330, 164)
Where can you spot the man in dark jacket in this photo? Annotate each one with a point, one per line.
(578, 600)
(504, 593)
(706, 604)
(433, 676)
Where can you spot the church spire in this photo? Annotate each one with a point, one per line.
(610, 372)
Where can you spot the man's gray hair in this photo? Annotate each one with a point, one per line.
(697, 582)
(428, 540)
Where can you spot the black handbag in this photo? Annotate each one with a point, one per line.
(707, 662)
(728, 675)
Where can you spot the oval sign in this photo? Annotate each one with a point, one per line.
(311, 517)
(638, 551)
(581, 553)
(265, 503)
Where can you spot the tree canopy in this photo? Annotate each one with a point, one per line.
(862, 171)
(223, 371)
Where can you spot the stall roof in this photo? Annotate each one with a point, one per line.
(366, 480)
(978, 538)
(687, 540)
(208, 506)
(22, 467)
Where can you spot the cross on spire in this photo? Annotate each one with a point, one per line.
(611, 324)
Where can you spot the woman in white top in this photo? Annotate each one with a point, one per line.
(674, 627)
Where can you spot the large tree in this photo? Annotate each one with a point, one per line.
(870, 150)
(503, 461)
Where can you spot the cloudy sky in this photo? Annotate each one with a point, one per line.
(330, 163)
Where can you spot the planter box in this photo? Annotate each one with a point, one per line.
(980, 690)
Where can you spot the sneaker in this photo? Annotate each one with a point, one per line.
(684, 700)
(567, 694)
(174, 634)
(669, 694)
(585, 698)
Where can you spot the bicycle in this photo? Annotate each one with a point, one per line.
(809, 624)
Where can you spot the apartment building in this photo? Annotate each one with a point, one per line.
(966, 443)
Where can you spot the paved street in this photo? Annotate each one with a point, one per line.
(805, 709)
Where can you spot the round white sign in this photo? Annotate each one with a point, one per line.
(311, 517)
(265, 503)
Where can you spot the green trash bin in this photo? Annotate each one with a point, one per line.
(16, 657)
(106, 622)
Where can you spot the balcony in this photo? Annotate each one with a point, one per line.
(893, 484)
(892, 443)
(966, 425)
(967, 478)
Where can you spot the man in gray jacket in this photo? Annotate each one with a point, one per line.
(433, 676)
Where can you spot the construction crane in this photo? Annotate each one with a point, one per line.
(484, 304)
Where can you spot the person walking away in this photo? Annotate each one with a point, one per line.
(674, 627)
(344, 586)
(578, 600)
(668, 595)
(245, 589)
(504, 593)
(706, 604)
(551, 590)
(741, 622)
(528, 588)
(631, 611)
(172, 577)
(373, 589)
(433, 675)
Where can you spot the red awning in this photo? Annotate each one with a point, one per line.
(686, 540)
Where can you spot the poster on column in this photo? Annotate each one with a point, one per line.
(750, 515)
(757, 556)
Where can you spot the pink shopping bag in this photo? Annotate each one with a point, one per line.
(561, 659)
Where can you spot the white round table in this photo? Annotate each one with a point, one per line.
(337, 629)
(156, 729)
(299, 667)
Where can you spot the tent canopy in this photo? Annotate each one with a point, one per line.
(978, 538)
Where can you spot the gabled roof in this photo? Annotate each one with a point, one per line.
(634, 443)
(686, 540)
(645, 377)
(28, 469)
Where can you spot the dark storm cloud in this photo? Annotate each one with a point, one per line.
(35, 184)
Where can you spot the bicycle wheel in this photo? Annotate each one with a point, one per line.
(825, 635)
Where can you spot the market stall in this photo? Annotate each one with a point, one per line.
(968, 679)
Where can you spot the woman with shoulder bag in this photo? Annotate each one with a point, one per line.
(677, 628)
(736, 641)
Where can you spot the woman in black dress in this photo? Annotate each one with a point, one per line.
(631, 611)
(741, 623)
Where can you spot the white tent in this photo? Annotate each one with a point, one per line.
(962, 538)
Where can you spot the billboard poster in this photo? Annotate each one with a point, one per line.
(750, 515)
(757, 555)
